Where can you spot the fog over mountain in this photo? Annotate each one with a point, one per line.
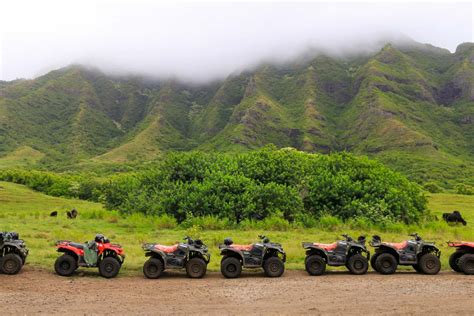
(204, 41)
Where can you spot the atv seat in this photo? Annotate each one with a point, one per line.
(461, 244)
(396, 245)
(167, 249)
(76, 245)
(242, 247)
(327, 247)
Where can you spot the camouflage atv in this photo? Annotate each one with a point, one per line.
(192, 255)
(423, 256)
(462, 260)
(13, 253)
(349, 252)
(265, 254)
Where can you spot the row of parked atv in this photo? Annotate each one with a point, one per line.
(193, 256)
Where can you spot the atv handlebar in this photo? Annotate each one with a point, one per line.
(347, 237)
(417, 238)
(189, 240)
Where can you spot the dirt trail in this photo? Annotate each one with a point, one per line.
(38, 291)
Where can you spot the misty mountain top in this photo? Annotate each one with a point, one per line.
(203, 41)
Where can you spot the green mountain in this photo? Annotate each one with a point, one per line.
(410, 105)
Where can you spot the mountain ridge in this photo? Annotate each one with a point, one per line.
(404, 105)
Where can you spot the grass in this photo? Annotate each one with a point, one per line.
(27, 212)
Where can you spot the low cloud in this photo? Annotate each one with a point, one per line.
(205, 41)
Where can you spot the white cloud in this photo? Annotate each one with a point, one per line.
(201, 41)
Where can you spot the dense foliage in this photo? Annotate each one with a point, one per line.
(82, 187)
(268, 183)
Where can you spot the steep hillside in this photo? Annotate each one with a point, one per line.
(411, 106)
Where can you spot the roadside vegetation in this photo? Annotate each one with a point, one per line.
(27, 212)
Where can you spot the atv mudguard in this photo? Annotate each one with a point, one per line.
(360, 249)
(151, 251)
(234, 253)
(277, 249)
(430, 247)
(193, 253)
(23, 252)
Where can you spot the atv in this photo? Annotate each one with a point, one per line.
(423, 256)
(264, 254)
(462, 260)
(351, 253)
(191, 255)
(96, 253)
(13, 253)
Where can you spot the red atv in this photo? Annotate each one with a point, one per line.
(97, 253)
(462, 260)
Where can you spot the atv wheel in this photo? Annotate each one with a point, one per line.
(372, 261)
(10, 263)
(466, 263)
(429, 264)
(109, 267)
(231, 267)
(153, 268)
(196, 268)
(454, 260)
(273, 267)
(358, 264)
(386, 263)
(65, 265)
(315, 265)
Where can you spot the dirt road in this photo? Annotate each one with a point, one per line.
(37, 291)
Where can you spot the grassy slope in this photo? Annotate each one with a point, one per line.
(26, 212)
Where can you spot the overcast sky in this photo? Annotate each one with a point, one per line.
(207, 40)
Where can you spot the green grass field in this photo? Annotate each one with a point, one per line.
(27, 212)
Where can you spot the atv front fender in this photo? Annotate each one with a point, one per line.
(229, 252)
(360, 249)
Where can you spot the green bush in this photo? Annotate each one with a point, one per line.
(75, 186)
(432, 187)
(464, 189)
(253, 186)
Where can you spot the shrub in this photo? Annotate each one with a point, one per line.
(432, 187)
(464, 189)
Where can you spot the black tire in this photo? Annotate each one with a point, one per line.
(429, 263)
(153, 268)
(315, 265)
(273, 267)
(386, 263)
(109, 267)
(417, 268)
(372, 261)
(11, 263)
(65, 265)
(466, 263)
(358, 264)
(454, 260)
(196, 268)
(231, 267)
